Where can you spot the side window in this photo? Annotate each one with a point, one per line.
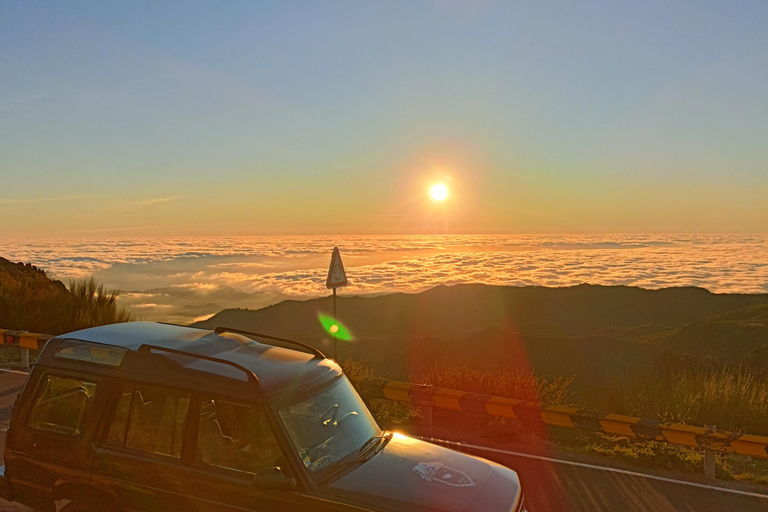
(149, 418)
(61, 404)
(235, 436)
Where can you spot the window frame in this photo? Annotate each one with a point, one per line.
(120, 385)
(322, 478)
(259, 407)
(90, 344)
(87, 416)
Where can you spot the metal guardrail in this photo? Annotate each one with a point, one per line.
(25, 341)
(707, 438)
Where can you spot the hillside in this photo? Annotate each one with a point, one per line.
(453, 312)
(31, 301)
(731, 336)
(595, 332)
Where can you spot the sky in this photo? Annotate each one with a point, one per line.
(259, 118)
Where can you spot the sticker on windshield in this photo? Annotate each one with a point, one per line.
(437, 472)
(305, 458)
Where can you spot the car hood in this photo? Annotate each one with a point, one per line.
(410, 475)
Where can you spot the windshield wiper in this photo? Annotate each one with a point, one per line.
(369, 447)
(375, 441)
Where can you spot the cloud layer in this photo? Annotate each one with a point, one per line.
(185, 278)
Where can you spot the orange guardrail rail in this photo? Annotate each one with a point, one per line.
(569, 417)
(23, 339)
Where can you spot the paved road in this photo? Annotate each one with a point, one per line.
(551, 485)
(555, 485)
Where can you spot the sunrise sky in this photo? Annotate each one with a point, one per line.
(238, 118)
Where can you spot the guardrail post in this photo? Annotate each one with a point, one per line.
(426, 417)
(24, 357)
(709, 464)
(421, 395)
(709, 459)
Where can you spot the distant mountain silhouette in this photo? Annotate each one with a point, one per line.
(589, 330)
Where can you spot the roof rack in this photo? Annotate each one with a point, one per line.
(181, 325)
(248, 373)
(312, 350)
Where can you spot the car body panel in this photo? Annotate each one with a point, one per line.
(413, 475)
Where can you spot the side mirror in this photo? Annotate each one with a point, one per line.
(273, 478)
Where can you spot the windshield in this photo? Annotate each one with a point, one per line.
(329, 426)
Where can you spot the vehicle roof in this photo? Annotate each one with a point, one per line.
(276, 368)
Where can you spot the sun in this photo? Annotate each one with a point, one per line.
(438, 192)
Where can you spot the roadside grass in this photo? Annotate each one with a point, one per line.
(10, 356)
(728, 398)
(518, 384)
(652, 454)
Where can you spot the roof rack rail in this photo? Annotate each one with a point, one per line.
(248, 373)
(312, 350)
(181, 325)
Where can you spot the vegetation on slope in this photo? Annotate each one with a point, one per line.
(694, 391)
(509, 383)
(31, 301)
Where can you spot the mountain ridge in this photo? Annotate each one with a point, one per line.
(594, 330)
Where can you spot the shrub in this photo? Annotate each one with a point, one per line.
(30, 301)
(518, 384)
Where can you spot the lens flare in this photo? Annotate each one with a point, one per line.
(334, 327)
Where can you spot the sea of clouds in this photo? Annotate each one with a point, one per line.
(184, 279)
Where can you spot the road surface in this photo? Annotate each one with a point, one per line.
(555, 484)
(552, 484)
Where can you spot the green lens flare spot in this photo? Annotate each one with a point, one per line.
(334, 327)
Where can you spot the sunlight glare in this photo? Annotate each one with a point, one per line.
(438, 192)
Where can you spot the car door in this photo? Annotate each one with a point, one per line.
(234, 442)
(50, 444)
(140, 457)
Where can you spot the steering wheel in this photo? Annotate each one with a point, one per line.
(329, 416)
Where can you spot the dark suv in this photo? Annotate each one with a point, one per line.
(147, 416)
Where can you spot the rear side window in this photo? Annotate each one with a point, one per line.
(149, 418)
(90, 352)
(61, 405)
